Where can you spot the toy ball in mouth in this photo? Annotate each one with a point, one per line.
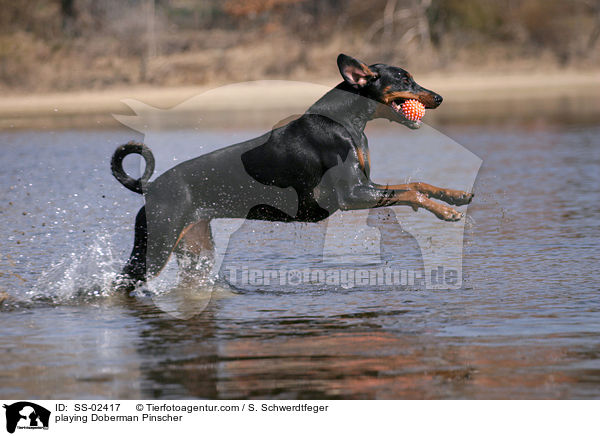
(413, 110)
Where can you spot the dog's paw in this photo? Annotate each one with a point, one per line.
(458, 198)
(449, 214)
(124, 284)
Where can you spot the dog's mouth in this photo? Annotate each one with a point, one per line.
(396, 106)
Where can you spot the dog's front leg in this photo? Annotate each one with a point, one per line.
(450, 196)
(367, 196)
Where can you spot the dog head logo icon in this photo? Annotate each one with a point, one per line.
(26, 415)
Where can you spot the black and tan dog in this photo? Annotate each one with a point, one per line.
(282, 175)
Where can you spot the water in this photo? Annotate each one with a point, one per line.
(524, 324)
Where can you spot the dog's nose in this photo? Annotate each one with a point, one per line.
(438, 99)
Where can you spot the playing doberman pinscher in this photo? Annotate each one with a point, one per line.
(283, 174)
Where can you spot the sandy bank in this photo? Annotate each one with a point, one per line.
(19, 110)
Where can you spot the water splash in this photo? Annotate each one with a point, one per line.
(183, 290)
(86, 274)
(185, 286)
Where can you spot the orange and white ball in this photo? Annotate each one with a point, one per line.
(413, 110)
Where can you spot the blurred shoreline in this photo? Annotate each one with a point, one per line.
(463, 94)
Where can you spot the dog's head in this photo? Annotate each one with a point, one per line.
(388, 85)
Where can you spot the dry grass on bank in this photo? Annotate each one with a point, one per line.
(103, 44)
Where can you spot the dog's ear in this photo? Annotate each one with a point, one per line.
(354, 71)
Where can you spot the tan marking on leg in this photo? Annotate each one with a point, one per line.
(416, 199)
(450, 196)
(361, 159)
(197, 237)
(194, 247)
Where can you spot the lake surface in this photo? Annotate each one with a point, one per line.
(524, 323)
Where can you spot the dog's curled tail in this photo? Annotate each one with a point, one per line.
(116, 165)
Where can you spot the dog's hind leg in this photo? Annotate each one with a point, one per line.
(169, 233)
(135, 268)
(195, 250)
